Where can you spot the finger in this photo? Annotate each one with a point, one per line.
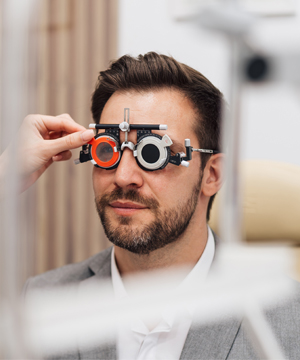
(65, 115)
(51, 123)
(68, 142)
(55, 135)
(65, 155)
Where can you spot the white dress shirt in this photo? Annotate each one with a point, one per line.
(166, 340)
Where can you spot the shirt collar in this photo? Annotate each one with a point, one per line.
(201, 269)
(118, 286)
(197, 275)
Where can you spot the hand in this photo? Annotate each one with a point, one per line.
(42, 140)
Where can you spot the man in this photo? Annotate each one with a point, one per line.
(159, 214)
(158, 219)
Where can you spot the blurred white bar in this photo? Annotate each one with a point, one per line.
(231, 209)
(234, 24)
(230, 21)
(16, 17)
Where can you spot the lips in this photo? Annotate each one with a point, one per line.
(127, 205)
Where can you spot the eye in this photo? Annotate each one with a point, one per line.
(104, 152)
(174, 151)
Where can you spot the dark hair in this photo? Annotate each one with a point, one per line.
(154, 71)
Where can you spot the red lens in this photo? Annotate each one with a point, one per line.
(104, 151)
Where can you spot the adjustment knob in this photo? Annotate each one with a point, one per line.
(185, 163)
(124, 126)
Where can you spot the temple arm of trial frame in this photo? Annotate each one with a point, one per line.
(182, 158)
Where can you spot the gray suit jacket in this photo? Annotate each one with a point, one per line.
(223, 340)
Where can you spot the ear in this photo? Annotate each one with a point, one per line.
(212, 180)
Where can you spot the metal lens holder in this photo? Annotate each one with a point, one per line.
(152, 151)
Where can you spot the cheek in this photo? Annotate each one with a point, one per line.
(102, 179)
(173, 183)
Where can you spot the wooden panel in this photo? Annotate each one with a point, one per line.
(77, 39)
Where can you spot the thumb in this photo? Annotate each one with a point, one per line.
(68, 142)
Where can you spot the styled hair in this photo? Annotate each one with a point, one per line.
(153, 71)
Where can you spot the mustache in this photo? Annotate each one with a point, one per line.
(130, 195)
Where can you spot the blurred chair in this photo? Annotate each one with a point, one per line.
(271, 201)
(271, 204)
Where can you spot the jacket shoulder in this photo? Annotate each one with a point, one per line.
(73, 273)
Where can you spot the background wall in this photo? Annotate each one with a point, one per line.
(270, 113)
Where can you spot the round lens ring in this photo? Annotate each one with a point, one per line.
(104, 152)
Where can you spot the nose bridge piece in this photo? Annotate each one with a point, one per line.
(127, 144)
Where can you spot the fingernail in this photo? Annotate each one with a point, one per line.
(87, 135)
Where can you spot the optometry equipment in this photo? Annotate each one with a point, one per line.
(152, 151)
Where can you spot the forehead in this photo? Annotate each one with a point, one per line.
(164, 106)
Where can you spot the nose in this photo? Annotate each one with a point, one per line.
(128, 174)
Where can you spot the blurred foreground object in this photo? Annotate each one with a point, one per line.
(83, 319)
(17, 94)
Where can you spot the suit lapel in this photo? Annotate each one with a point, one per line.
(100, 264)
(211, 341)
(101, 268)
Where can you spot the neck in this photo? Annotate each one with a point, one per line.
(183, 252)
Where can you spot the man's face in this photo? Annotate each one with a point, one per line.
(142, 211)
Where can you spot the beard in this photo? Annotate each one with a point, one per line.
(166, 228)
